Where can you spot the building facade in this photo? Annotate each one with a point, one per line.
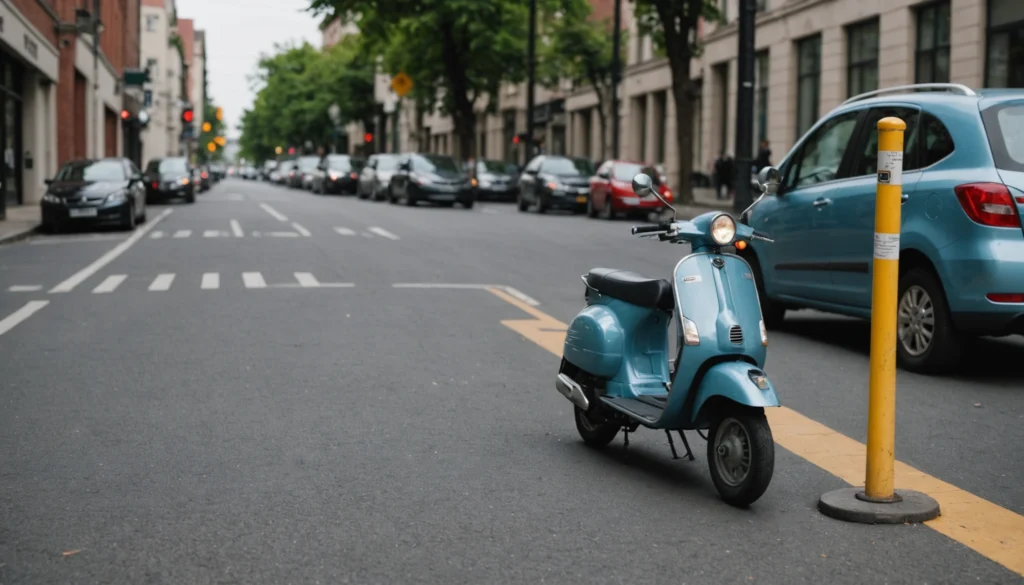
(197, 80)
(163, 54)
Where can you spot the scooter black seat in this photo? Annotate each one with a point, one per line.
(632, 288)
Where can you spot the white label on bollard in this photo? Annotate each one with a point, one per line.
(890, 167)
(887, 246)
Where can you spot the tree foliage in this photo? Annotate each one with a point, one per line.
(205, 138)
(297, 85)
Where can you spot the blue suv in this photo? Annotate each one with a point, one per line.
(962, 242)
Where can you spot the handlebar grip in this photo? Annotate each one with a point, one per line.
(648, 229)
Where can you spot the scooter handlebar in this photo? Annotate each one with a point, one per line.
(650, 229)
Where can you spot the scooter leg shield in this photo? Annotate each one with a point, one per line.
(595, 342)
(735, 381)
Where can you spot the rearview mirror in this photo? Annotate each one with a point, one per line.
(604, 175)
(48, 181)
(643, 186)
(769, 180)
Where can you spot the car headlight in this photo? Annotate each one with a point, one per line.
(333, 176)
(115, 197)
(48, 198)
(723, 229)
(184, 181)
(485, 184)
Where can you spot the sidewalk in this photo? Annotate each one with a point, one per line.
(21, 221)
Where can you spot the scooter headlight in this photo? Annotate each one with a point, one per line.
(723, 229)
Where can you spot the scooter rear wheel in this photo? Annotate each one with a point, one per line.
(741, 456)
(596, 433)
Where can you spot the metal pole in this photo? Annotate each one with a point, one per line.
(394, 129)
(616, 77)
(96, 77)
(745, 106)
(531, 49)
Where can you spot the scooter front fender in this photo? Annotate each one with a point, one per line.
(734, 381)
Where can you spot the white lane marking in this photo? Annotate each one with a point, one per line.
(345, 231)
(77, 278)
(75, 239)
(162, 282)
(211, 281)
(508, 289)
(366, 235)
(25, 288)
(301, 230)
(236, 229)
(383, 232)
(213, 234)
(319, 285)
(253, 280)
(110, 284)
(307, 280)
(157, 235)
(182, 233)
(283, 235)
(10, 321)
(273, 212)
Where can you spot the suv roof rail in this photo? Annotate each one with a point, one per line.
(950, 87)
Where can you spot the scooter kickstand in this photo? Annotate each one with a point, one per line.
(671, 445)
(689, 453)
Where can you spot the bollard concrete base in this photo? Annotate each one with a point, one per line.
(911, 507)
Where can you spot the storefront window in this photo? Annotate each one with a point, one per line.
(1005, 57)
(11, 75)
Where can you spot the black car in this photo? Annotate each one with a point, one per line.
(205, 178)
(495, 180)
(555, 182)
(431, 177)
(94, 192)
(169, 178)
(339, 173)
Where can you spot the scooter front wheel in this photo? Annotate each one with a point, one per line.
(595, 432)
(741, 456)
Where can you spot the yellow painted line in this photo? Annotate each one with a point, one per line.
(990, 530)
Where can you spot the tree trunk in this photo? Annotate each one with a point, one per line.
(681, 93)
(599, 91)
(463, 114)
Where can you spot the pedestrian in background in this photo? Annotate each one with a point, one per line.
(727, 179)
(764, 156)
(717, 176)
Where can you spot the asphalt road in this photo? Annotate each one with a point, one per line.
(245, 406)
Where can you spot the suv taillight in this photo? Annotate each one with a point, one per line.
(988, 204)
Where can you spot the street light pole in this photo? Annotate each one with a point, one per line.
(96, 78)
(745, 106)
(616, 76)
(531, 49)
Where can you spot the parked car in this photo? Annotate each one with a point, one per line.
(204, 178)
(94, 192)
(169, 178)
(305, 168)
(374, 180)
(217, 172)
(555, 182)
(611, 191)
(962, 243)
(268, 167)
(338, 173)
(431, 177)
(495, 180)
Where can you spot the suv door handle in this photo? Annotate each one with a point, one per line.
(822, 202)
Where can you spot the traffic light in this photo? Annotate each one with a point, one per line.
(207, 126)
(125, 114)
(515, 139)
(368, 138)
(187, 116)
(220, 114)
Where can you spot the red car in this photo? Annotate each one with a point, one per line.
(611, 190)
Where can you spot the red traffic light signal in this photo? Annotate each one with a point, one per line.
(367, 137)
(515, 139)
(187, 116)
(125, 114)
(291, 150)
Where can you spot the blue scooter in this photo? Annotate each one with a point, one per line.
(616, 367)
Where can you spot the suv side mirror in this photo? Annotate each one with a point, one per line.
(769, 180)
(604, 175)
(136, 178)
(48, 181)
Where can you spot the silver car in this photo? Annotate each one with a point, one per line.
(375, 178)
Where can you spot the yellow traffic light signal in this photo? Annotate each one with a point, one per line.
(220, 140)
(278, 150)
(211, 147)
(220, 114)
(207, 126)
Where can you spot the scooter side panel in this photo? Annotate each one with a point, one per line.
(595, 341)
(731, 380)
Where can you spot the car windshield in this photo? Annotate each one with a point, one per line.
(432, 163)
(563, 167)
(308, 163)
(496, 167)
(1005, 126)
(387, 163)
(585, 166)
(344, 163)
(104, 170)
(167, 165)
(626, 172)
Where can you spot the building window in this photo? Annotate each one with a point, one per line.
(152, 65)
(151, 20)
(762, 5)
(862, 58)
(761, 96)
(932, 59)
(808, 83)
(1004, 65)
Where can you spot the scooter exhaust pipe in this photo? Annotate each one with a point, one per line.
(568, 387)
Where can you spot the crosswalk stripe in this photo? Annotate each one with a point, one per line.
(211, 280)
(307, 280)
(182, 233)
(345, 231)
(301, 230)
(253, 280)
(273, 212)
(162, 282)
(110, 284)
(236, 229)
(157, 235)
(283, 235)
(212, 234)
(383, 232)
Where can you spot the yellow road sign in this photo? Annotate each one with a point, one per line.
(401, 84)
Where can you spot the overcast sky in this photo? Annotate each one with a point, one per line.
(236, 33)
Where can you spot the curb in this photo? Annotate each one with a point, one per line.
(17, 236)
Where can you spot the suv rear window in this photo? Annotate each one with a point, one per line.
(1004, 125)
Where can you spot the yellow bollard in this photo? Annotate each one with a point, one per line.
(884, 292)
(878, 502)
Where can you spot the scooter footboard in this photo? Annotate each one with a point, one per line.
(735, 381)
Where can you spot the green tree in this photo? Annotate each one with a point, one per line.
(579, 49)
(455, 51)
(672, 25)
